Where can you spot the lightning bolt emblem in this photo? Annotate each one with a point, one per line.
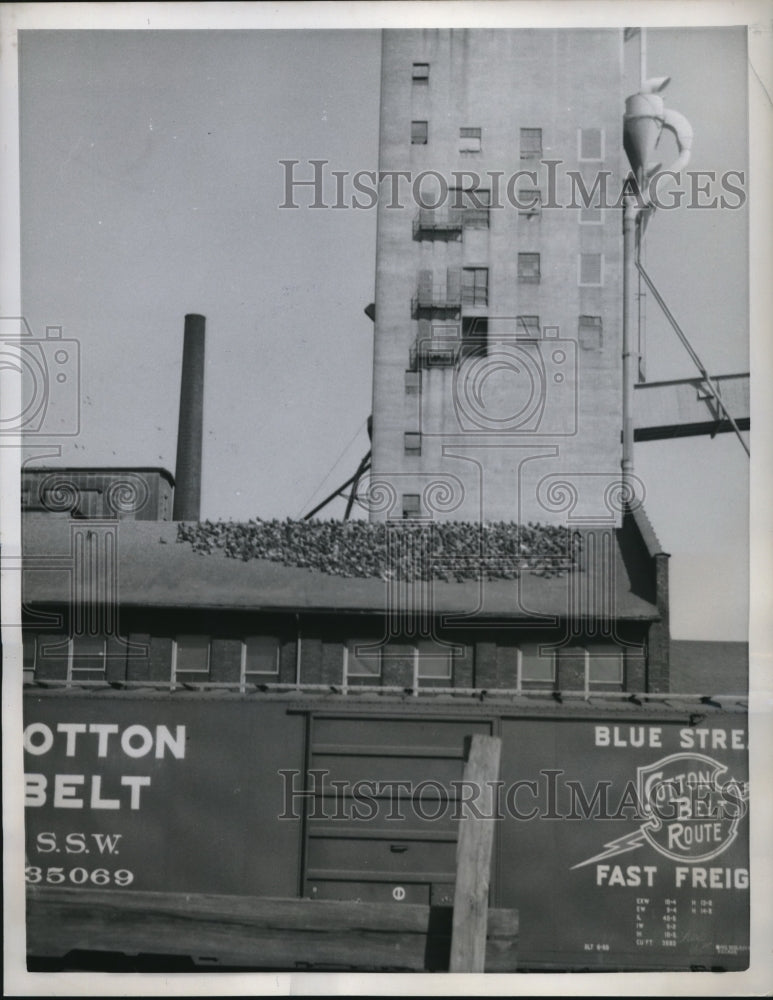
(619, 846)
(644, 835)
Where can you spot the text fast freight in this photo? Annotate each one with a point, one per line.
(633, 876)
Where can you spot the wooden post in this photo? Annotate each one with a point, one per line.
(473, 857)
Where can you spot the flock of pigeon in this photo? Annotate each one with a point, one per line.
(450, 550)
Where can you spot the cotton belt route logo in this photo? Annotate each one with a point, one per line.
(690, 814)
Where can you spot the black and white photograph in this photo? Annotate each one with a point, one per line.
(384, 444)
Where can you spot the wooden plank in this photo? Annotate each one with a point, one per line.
(255, 932)
(473, 857)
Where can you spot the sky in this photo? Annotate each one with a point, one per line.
(151, 188)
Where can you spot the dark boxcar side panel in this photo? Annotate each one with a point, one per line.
(191, 807)
(623, 855)
(623, 840)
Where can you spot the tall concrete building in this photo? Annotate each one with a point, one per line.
(498, 353)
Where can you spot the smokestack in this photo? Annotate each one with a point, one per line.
(187, 490)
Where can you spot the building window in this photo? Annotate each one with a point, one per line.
(603, 666)
(475, 286)
(438, 296)
(29, 647)
(527, 327)
(471, 206)
(419, 133)
(362, 660)
(421, 72)
(529, 267)
(527, 666)
(412, 383)
(591, 216)
(411, 505)
(590, 333)
(470, 140)
(536, 665)
(529, 201)
(591, 269)
(86, 658)
(531, 143)
(433, 661)
(591, 144)
(190, 659)
(412, 443)
(474, 335)
(260, 657)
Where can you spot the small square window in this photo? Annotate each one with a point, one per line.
(470, 140)
(474, 335)
(473, 204)
(531, 143)
(411, 505)
(29, 647)
(591, 144)
(419, 133)
(537, 665)
(87, 658)
(363, 659)
(433, 661)
(590, 333)
(421, 72)
(412, 383)
(412, 443)
(527, 327)
(191, 658)
(529, 267)
(475, 286)
(261, 655)
(591, 267)
(604, 665)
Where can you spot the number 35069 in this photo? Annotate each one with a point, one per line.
(78, 876)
